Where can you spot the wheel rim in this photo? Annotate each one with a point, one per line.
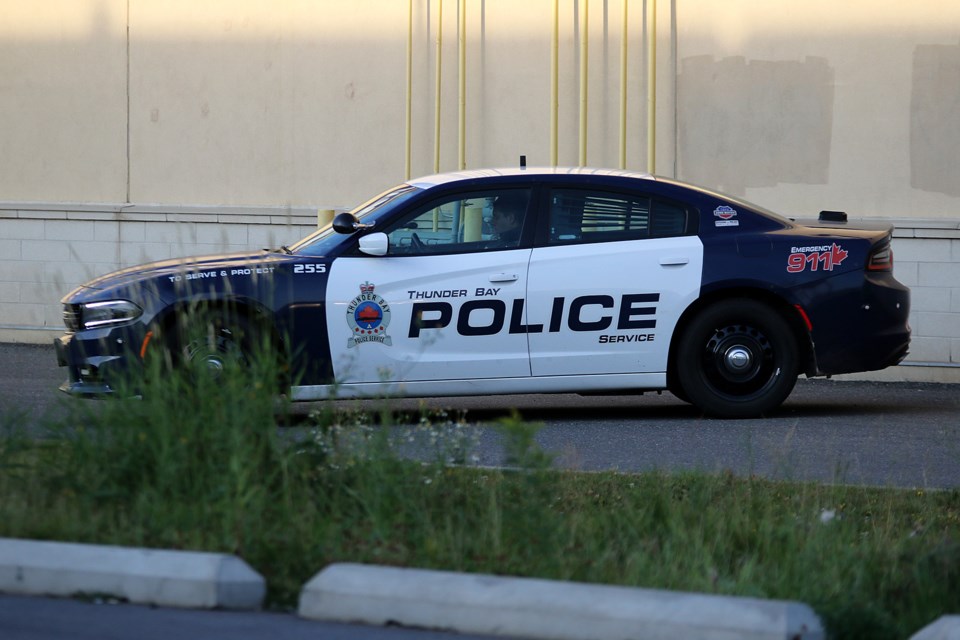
(212, 353)
(739, 361)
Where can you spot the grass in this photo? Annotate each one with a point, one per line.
(198, 464)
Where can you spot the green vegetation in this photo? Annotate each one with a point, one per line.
(198, 464)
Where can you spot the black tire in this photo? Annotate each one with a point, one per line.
(674, 387)
(737, 359)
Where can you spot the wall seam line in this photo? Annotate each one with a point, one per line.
(117, 255)
(127, 198)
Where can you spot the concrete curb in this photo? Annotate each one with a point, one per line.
(166, 578)
(943, 628)
(465, 603)
(544, 609)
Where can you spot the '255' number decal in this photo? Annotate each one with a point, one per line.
(824, 260)
(309, 268)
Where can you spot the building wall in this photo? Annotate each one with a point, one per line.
(927, 259)
(798, 105)
(809, 105)
(145, 112)
(46, 253)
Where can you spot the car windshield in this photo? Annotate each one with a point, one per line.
(320, 242)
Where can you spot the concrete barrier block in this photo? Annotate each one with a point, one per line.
(943, 628)
(166, 578)
(545, 609)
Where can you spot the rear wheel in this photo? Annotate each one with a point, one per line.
(738, 359)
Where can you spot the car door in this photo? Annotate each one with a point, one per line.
(438, 305)
(610, 276)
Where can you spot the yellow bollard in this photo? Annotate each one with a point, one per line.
(324, 217)
(473, 224)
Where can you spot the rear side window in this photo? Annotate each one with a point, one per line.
(578, 216)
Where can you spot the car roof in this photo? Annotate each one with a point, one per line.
(438, 179)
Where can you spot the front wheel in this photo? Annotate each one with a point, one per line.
(737, 359)
(210, 344)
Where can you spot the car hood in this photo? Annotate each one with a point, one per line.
(126, 278)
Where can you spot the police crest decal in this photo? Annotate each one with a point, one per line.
(368, 316)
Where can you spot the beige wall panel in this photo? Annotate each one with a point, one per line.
(935, 119)
(509, 68)
(63, 100)
(259, 102)
(304, 102)
(604, 84)
(892, 66)
(797, 105)
(508, 84)
(508, 96)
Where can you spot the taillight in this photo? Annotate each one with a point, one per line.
(881, 259)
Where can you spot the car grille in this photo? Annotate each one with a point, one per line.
(71, 317)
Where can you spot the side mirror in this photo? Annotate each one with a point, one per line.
(374, 244)
(345, 223)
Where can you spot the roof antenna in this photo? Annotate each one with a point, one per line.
(523, 162)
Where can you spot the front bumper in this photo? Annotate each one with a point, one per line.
(98, 361)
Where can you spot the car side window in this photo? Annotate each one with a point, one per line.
(578, 216)
(462, 223)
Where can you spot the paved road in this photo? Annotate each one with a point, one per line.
(29, 377)
(25, 618)
(900, 434)
(859, 433)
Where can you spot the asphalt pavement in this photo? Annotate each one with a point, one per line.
(34, 618)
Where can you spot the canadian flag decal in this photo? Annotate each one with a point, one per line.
(816, 258)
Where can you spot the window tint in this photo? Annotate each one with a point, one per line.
(667, 220)
(582, 216)
(464, 223)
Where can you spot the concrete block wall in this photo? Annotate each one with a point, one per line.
(47, 250)
(927, 259)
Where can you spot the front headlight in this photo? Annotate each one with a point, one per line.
(108, 312)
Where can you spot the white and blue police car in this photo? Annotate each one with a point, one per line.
(522, 280)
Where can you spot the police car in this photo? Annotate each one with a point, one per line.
(521, 281)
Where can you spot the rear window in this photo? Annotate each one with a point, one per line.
(578, 216)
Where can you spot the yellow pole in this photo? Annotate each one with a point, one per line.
(436, 124)
(409, 136)
(555, 83)
(324, 217)
(652, 92)
(623, 89)
(584, 45)
(473, 224)
(463, 85)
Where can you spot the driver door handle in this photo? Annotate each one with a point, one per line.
(504, 277)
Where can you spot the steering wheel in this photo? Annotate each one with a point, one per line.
(416, 243)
